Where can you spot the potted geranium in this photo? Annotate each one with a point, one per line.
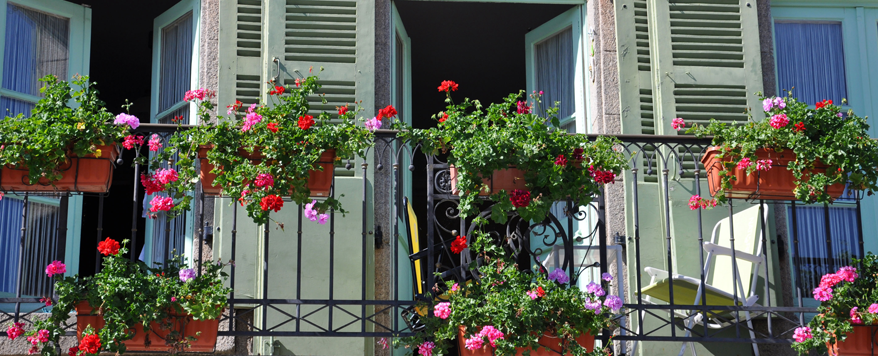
(68, 143)
(129, 306)
(848, 312)
(795, 152)
(260, 154)
(510, 310)
(509, 143)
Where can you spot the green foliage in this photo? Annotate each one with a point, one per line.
(500, 298)
(481, 140)
(288, 155)
(833, 321)
(41, 142)
(127, 293)
(840, 142)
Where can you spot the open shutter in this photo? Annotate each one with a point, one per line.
(337, 35)
(241, 50)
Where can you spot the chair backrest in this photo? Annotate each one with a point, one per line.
(748, 238)
(411, 223)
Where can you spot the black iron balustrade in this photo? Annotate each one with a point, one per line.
(655, 157)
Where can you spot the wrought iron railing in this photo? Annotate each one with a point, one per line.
(644, 215)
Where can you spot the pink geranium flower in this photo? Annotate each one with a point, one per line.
(56, 267)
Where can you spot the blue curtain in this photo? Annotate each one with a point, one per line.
(555, 72)
(10, 235)
(810, 61)
(36, 45)
(176, 66)
(812, 247)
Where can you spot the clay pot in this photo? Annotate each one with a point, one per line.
(88, 174)
(319, 182)
(506, 179)
(548, 340)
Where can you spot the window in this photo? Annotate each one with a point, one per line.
(810, 57)
(815, 255)
(174, 72)
(39, 40)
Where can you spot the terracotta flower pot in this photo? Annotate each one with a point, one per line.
(206, 340)
(548, 340)
(319, 182)
(776, 183)
(505, 179)
(857, 343)
(89, 174)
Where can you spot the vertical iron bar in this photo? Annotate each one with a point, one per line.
(667, 199)
(568, 246)
(331, 256)
(735, 277)
(829, 253)
(765, 253)
(100, 230)
(21, 258)
(860, 228)
(602, 235)
(703, 301)
(299, 270)
(431, 210)
(61, 240)
(637, 266)
(232, 261)
(265, 251)
(797, 260)
(134, 207)
(203, 233)
(168, 242)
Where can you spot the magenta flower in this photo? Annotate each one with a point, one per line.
(251, 119)
(607, 277)
(384, 344)
(492, 334)
(744, 163)
(132, 140)
(474, 343)
(186, 274)
(323, 219)
(678, 123)
(595, 289)
(426, 348)
(373, 124)
(767, 104)
(694, 202)
(763, 164)
(455, 287)
(15, 330)
(310, 213)
(780, 103)
(532, 294)
(848, 273)
(264, 180)
(558, 275)
(561, 161)
(873, 309)
(125, 119)
(173, 299)
(43, 335)
(855, 317)
(779, 121)
(160, 203)
(593, 305)
(56, 267)
(155, 143)
(523, 108)
(802, 334)
(822, 293)
(166, 175)
(442, 310)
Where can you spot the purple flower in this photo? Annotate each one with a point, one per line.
(125, 119)
(780, 103)
(613, 302)
(595, 289)
(373, 124)
(558, 275)
(323, 218)
(767, 104)
(593, 305)
(186, 274)
(607, 277)
(310, 213)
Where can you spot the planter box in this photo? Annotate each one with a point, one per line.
(88, 174)
(206, 341)
(858, 342)
(549, 340)
(506, 179)
(319, 182)
(774, 184)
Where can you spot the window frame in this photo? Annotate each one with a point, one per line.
(167, 18)
(575, 18)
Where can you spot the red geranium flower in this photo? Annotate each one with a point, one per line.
(342, 110)
(520, 198)
(90, 344)
(272, 126)
(459, 244)
(108, 247)
(278, 90)
(272, 202)
(799, 127)
(448, 85)
(561, 161)
(305, 122)
(540, 292)
(443, 118)
(73, 351)
(577, 154)
(823, 104)
(387, 112)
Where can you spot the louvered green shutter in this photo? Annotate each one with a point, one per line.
(241, 52)
(337, 35)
